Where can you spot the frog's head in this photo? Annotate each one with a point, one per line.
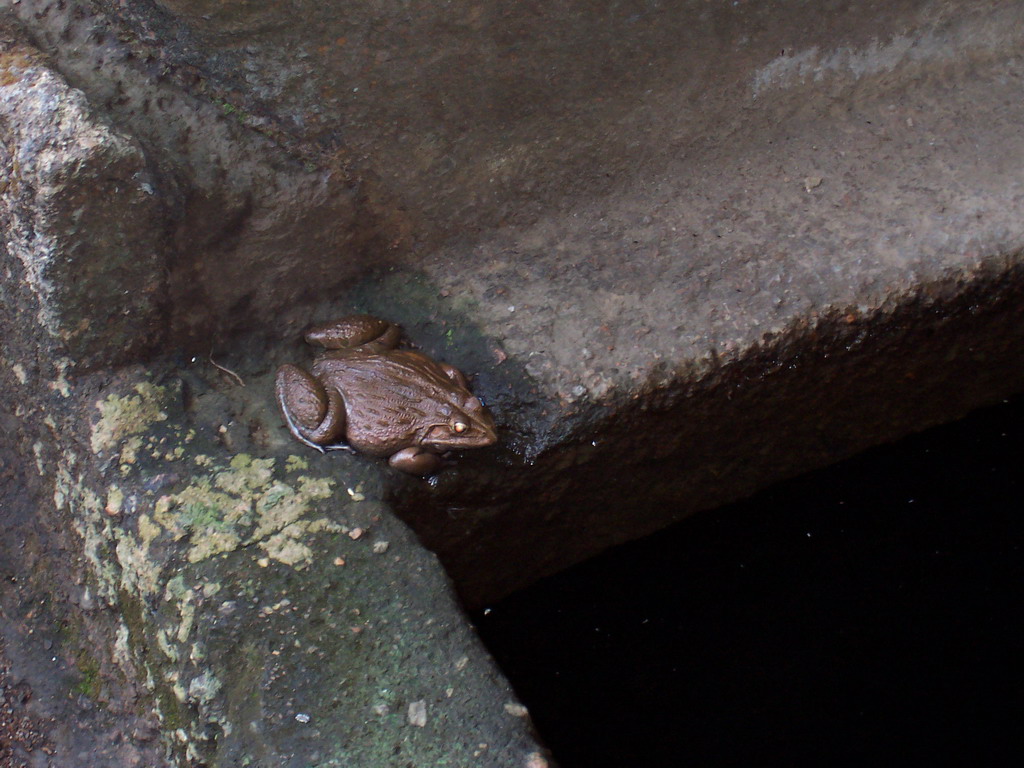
(468, 425)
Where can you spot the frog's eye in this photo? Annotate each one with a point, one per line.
(460, 427)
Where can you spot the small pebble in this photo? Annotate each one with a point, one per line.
(380, 547)
(418, 713)
(302, 717)
(355, 533)
(811, 182)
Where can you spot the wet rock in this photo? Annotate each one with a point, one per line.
(78, 208)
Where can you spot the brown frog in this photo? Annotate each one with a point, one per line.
(365, 394)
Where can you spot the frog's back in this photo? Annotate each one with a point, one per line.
(390, 399)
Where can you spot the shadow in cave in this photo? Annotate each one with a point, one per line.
(859, 612)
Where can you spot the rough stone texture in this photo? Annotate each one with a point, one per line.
(77, 207)
(249, 232)
(685, 248)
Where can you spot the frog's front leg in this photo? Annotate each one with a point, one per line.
(355, 331)
(415, 461)
(315, 414)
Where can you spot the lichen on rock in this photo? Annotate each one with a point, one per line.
(244, 504)
(123, 416)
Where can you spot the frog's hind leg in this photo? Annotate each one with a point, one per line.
(355, 331)
(315, 414)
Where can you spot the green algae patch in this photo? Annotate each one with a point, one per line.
(240, 505)
(245, 475)
(89, 682)
(296, 464)
(121, 417)
(209, 516)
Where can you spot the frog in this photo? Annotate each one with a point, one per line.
(366, 394)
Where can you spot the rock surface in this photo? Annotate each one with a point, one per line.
(263, 613)
(685, 249)
(79, 211)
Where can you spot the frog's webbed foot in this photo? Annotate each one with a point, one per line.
(315, 414)
(415, 461)
(339, 447)
(355, 331)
